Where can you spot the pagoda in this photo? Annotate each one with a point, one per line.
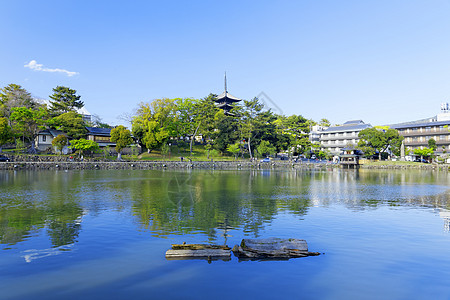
(225, 100)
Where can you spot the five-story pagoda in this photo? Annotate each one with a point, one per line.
(225, 100)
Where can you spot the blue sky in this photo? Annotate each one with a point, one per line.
(382, 61)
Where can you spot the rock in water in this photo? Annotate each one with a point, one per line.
(272, 248)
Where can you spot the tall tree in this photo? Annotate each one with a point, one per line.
(59, 142)
(155, 122)
(27, 122)
(122, 137)
(380, 139)
(13, 95)
(249, 124)
(64, 100)
(6, 133)
(83, 145)
(71, 123)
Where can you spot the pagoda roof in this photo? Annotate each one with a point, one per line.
(227, 96)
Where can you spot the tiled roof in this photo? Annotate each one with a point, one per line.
(99, 131)
(423, 124)
(349, 127)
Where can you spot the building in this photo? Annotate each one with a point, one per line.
(102, 136)
(225, 100)
(336, 138)
(315, 132)
(43, 140)
(418, 133)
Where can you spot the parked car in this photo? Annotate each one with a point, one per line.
(422, 160)
(265, 159)
(3, 158)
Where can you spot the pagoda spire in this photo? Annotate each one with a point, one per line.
(226, 82)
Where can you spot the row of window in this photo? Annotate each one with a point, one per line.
(425, 129)
(337, 134)
(437, 138)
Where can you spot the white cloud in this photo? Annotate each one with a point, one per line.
(33, 65)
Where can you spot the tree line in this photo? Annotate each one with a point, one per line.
(249, 130)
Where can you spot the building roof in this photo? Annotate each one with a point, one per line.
(99, 131)
(227, 96)
(420, 123)
(353, 122)
(348, 126)
(51, 132)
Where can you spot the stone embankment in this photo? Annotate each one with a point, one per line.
(38, 162)
(220, 165)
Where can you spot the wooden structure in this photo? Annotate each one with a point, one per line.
(190, 251)
(225, 100)
(350, 159)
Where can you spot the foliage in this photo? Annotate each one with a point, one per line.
(265, 148)
(64, 100)
(83, 145)
(155, 122)
(71, 123)
(324, 123)
(13, 95)
(234, 149)
(380, 140)
(432, 144)
(122, 137)
(6, 133)
(26, 122)
(59, 142)
(424, 152)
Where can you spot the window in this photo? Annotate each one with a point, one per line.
(44, 138)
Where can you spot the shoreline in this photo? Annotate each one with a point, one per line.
(218, 165)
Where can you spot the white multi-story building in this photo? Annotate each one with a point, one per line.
(336, 138)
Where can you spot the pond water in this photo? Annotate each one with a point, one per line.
(103, 234)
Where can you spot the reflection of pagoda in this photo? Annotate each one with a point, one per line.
(225, 100)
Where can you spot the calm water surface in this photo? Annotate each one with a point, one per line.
(103, 234)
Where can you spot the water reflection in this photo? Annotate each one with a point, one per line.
(209, 202)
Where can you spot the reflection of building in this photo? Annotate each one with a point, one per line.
(225, 100)
(418, 133)
(445, 215)
(335, 138)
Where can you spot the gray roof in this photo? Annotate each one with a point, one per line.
(419, 124)
(348, 126)
(51, 132)
(228, 96)
(99, 131)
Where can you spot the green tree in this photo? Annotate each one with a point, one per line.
(432, 144)
(265, 148)
(155, 122)
(59, 142)
(13, 95)
(6, 134)
(424, 152)
(122, 137)
(324, 123)
(249, 122)
(64, 100)
(71, 123)
(380, 140)
(83, 145)
(234, 149)
(27, 122)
